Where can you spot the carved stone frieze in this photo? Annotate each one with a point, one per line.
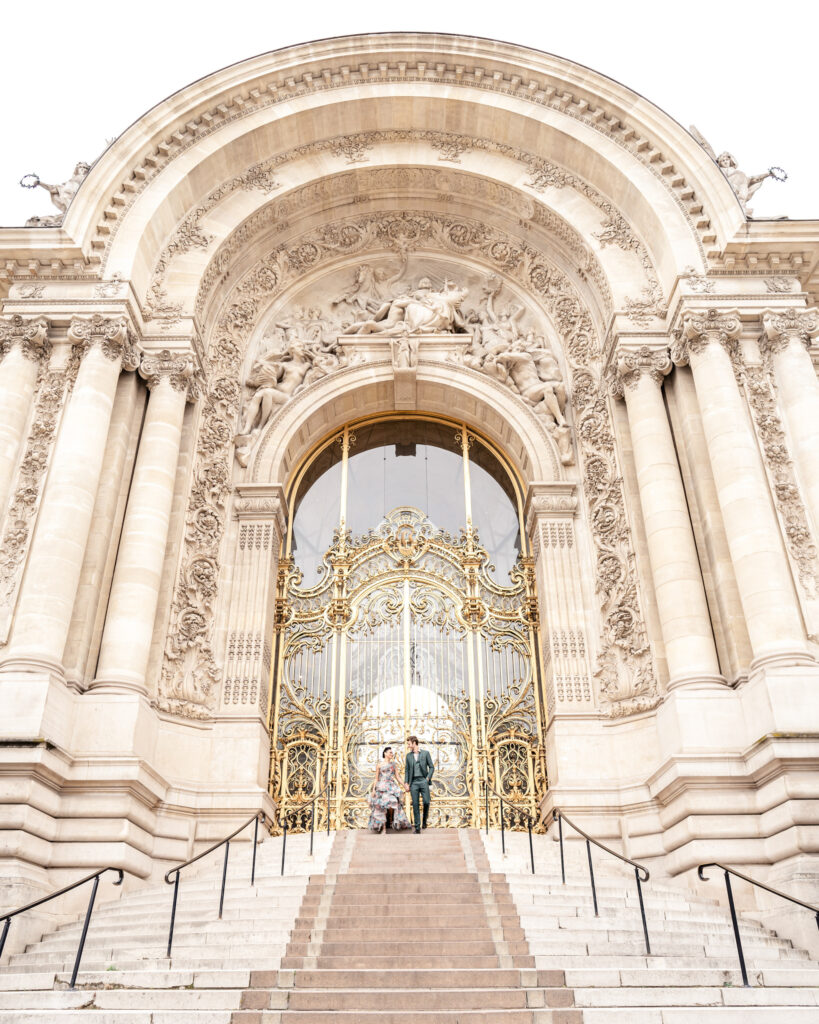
(779, 326)
(178, 369)
(111, 335)
(633, 364)
(30, 333)
(627, 679)
(53, 387)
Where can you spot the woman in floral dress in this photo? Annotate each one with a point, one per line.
(387, 798)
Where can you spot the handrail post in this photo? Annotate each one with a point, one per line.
(531, 846)
(486, 792)
(560, 834)
(224, 877)
(6, 927)
(284, 841)
(642, 910)
(503, 835)
(255, 840)
(591, 876)
(84, 931)
(312, 824)
(173, 913)
(735, 923)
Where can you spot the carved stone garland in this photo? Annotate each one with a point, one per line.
(190, 674)
(54, 386)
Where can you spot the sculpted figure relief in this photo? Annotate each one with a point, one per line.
(422, 311)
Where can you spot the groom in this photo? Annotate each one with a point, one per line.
(418, 773)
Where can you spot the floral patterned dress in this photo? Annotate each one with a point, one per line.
(387, 795)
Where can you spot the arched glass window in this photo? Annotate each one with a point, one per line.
(398, 462)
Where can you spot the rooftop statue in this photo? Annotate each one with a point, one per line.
(745, 186)
(61, 195)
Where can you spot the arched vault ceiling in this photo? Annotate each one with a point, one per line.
(498, 136)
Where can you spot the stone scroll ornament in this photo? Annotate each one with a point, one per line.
(190, 675)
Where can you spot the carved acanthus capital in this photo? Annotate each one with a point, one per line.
(780, 326)
(631, 365)
(702, 327)
(111, 334)
(178, 369)
(31, 333)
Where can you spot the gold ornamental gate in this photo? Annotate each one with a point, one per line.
(407, 634)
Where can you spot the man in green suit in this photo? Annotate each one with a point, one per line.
(418, 773)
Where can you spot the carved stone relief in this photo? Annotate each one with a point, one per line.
(627, 679)
(31, 334)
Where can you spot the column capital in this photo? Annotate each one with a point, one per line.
(31, 333)
(631, 364)
(780, 325)
(178, 369)
(112, 334)
(701, 327)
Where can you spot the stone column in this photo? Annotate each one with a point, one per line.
(764, 580)
(55, 560)
(129, 622)
(684, 618)
(787, 334)
(23, 343)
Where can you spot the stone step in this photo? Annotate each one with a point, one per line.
(694, 996)
(700, 1015)
(124, 999)
(420, 962)
(399, 978)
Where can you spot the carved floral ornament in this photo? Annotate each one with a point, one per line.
(112, 335)
(701, 328)
(31, 334)
(632, 365)
(780, 326)
(177, 369)
(190, 674)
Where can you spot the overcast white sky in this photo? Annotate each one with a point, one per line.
(73, 75)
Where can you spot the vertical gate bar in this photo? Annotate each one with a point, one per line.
(642, 910)
(591, 876)
(531, 846)
(173, 913)
(255, 841)
(84, 931)
(284, 842)
(327, 792)
(224, 877)
(312, 824)
(562, 862)
(486, 791)
(503, 836)
(735, 923)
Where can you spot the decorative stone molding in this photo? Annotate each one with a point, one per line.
(701, 327)
(112, 335)
(633, 364)
(626, 674)
(779, 326)
(30, 333)
(178, 369)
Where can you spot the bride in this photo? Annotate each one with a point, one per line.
(386, 800)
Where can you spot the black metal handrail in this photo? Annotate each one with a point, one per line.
(560, 817)
(257, 817)
(52, 896)
(520, 810)
(298, 809)
(760, 885)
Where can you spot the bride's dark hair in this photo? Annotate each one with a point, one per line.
(384, 751)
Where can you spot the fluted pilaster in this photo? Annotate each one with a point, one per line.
(23, 346)
(129, 622)
(678, 586)
(763, 577)
(55, 560)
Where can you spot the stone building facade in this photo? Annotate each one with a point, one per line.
(408, 228)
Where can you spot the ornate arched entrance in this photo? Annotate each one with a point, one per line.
(414, 620)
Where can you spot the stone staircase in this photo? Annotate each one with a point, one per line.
(380, 928)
